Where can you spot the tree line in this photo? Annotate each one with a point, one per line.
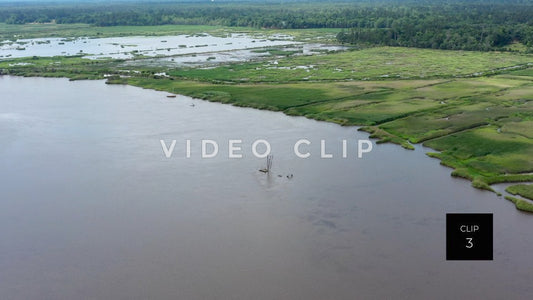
(474, 25)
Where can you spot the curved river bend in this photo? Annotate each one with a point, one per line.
(91, 209)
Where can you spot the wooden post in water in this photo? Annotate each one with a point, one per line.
(269, 164)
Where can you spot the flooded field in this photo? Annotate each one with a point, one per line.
(211, 59)
(128, 47)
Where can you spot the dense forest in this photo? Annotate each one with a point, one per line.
(474, 25)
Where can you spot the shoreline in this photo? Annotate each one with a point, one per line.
(380, 138)
(453, 115)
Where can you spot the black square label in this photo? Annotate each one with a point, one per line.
(468, 236)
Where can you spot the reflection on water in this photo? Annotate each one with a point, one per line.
(91, 208)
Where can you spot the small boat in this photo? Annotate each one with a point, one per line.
(171, 96)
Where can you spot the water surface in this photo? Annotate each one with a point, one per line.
(127, 47)
(91, 209)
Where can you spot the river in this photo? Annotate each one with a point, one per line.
(90, 207)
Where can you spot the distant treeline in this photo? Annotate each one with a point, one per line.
(475, 25)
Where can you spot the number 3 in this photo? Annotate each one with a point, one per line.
(469, 243)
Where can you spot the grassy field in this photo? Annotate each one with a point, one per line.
(524, 190)
(475, 108)
(26, 31)
(521, 204)
(9, 31)
(378, 63)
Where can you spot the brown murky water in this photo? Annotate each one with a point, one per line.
(91, 209)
